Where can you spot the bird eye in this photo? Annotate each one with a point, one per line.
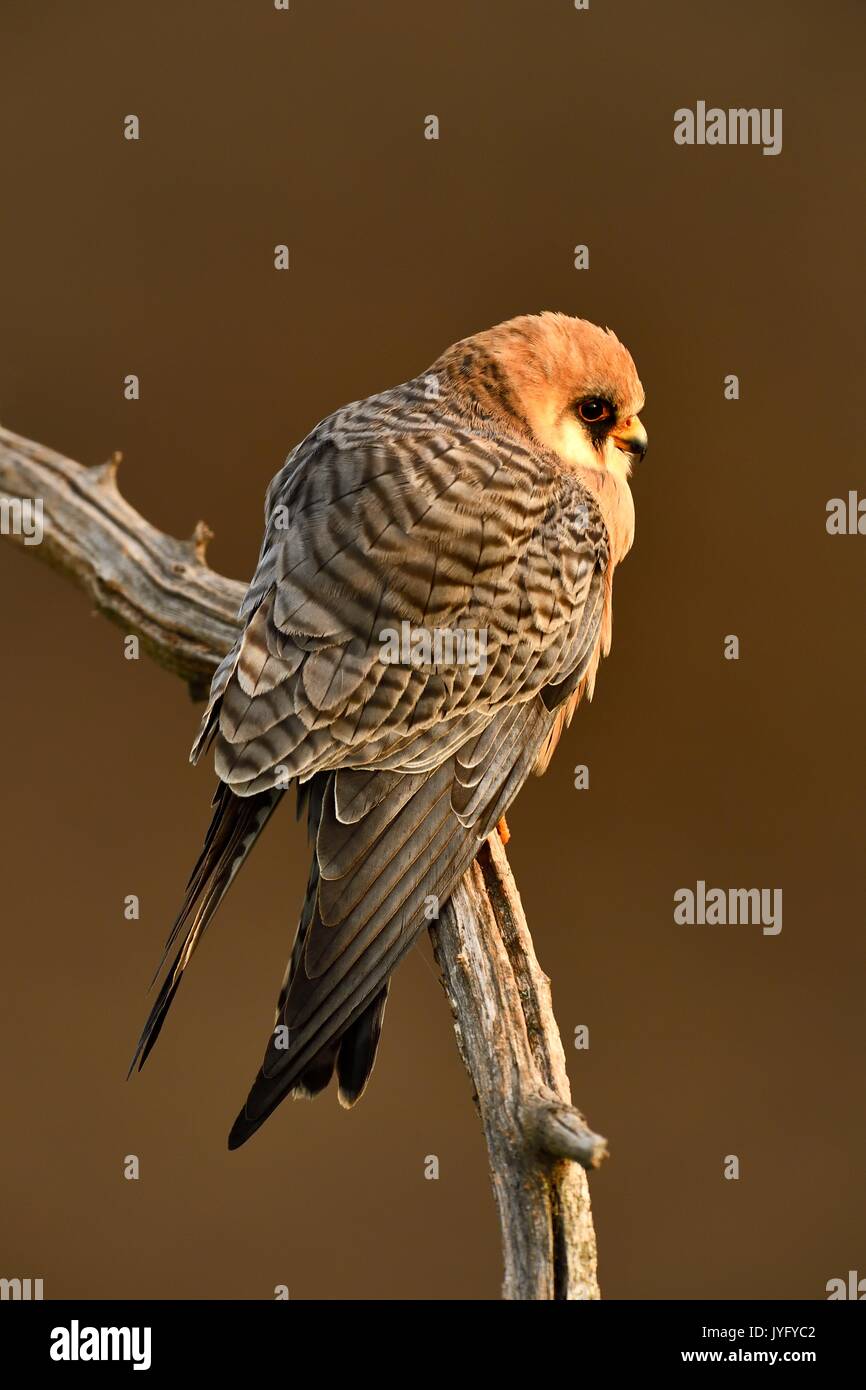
(594, 409)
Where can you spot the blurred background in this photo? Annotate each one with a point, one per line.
(306, 127)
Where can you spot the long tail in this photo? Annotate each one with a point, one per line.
(389, 848)
(236, 825)
(352, 1055)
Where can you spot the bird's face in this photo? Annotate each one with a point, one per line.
(577, 388)
(594, 430)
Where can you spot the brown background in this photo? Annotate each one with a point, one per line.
(261, 127)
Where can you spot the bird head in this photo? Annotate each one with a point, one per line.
(569, 383)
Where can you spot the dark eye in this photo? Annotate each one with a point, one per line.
(594, 409)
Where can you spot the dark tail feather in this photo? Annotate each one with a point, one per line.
(157, 1016)
(319, 1071)
(358, 1047)
(353, 1056)
(237, 823)
(334, 1014)
(317, 1074)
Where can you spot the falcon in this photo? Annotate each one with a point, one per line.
(487, 498)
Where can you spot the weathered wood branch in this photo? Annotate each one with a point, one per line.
(162, 590)
(510, 1043)
(148, 583)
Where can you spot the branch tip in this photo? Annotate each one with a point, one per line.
(559, 1130)
(105, 474)
(199, 541)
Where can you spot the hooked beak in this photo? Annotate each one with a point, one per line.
(631, 437)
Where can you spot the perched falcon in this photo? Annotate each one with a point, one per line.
(486, 500)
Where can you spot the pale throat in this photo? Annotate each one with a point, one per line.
(606, 474)
(615, 502)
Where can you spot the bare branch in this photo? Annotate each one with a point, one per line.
(509, 1041)
(560, 1130)
(148, 583)
(162, 590)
